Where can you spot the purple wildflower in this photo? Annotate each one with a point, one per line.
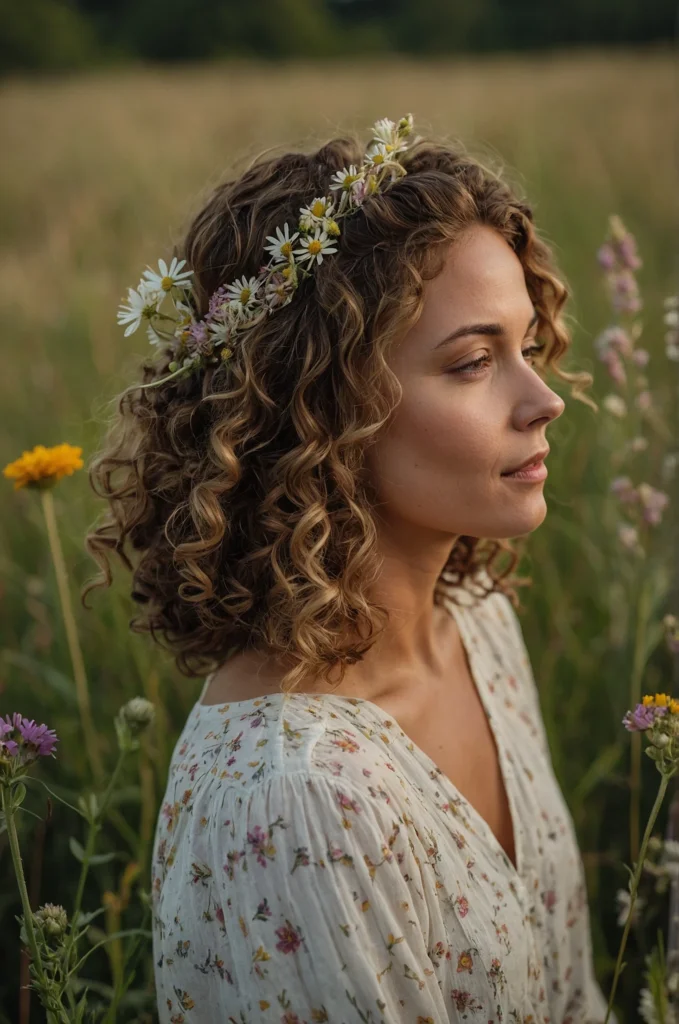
(23, 738)
(42, 739)
(217, 301)
(8, 748)
(642, 717)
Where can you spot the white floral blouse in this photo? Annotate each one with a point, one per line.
(311, 863)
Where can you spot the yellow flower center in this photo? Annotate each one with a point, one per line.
(166, 284)
(245, 295)
(318, 208)
(286, 248)
(315, 247)
(378, 158)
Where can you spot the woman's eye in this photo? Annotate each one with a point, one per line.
(478, 364)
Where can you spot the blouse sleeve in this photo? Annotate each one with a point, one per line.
(323, 904)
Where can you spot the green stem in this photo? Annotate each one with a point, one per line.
(82, 691)
(664, 782)
(15, 851)
(94, 827)
(634, 699)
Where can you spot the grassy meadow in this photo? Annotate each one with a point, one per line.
(99, 175)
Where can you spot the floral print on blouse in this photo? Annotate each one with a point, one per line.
(311, 864)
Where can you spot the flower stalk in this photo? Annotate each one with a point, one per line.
(79, 674)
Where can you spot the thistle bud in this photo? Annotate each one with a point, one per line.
(52, 919)
(138, 714)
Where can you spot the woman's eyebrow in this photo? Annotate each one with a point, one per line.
(494, 330)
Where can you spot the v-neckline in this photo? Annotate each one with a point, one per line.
(506, 768)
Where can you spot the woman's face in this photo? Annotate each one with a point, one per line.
(437, 467)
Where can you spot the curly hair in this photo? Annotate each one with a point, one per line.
(240, 492)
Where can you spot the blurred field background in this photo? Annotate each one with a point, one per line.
(101, 170)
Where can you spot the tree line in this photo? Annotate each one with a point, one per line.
(65, 34)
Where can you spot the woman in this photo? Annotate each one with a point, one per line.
(323, 486)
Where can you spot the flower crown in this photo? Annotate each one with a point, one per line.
(195, 344)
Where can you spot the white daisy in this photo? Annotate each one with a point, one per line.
(241, 295)
(345, 178)
(312, 215)
(314, 247)
(153, 336)
(220, 331)
(142, 304)
(384, 130)
(169, 277)
(378, 154)
(281, 246)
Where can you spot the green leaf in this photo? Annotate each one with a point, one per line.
(83, 920)
(106, 858)
(80, 1009)
(95, 858)
(18, 794)
(76, 849)
(631, 876)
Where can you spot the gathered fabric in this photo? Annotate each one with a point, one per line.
(311, 863)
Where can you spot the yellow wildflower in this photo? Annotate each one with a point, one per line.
(42, 467)
(661, 700)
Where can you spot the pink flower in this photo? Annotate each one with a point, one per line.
(606, 256)
(614, 365)
(641, 356)
(653, 503)
(627, 251)
(622, 487)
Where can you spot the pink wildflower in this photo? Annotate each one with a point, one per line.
(653, 503)
(606, 256)
(622, 487)
(641, 356)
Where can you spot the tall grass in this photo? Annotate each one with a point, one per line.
(98, 175)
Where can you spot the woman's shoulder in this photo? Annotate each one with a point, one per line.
(242, 744)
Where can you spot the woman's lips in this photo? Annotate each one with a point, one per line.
(536, 471)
